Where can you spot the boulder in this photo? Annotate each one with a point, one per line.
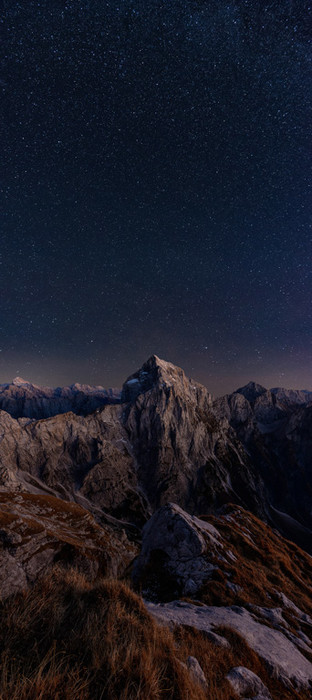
(196, 672)
(174, 546)
(244, 681)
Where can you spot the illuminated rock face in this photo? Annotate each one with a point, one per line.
(183, 541)
(183, 452)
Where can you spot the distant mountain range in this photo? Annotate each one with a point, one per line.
(21, 398)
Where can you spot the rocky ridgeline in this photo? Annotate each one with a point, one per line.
(22, 399)
(275, 429)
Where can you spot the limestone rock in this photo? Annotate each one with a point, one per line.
(244, 682)
(38, 531)
(184, 454)
(274, 427)
(174, 544)
(166, 442)
(76, 458)
(283, 658)
(196, 672)
(24, 399)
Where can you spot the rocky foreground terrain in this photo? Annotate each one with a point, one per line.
(186, 498)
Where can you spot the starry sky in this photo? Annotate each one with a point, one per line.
(156, 189)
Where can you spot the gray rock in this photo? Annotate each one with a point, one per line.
(282, 656)
(167, 441)
(275, 428)
(196, 672)
(182, 540)
(39, 531)
(184, 453)
(244, 681)
(21, 398)
(217, 639)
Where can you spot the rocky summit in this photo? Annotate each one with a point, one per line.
(187, 498)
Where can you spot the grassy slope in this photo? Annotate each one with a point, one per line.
(67, 638)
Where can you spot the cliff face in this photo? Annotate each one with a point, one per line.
(162, 443)
(86, 459)
(275, 429)
(183, 451)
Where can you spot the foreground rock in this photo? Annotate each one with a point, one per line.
(173, 550)
(241, 575)
(196, 671)
(284, 659)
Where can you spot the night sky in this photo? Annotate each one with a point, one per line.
(156, 189)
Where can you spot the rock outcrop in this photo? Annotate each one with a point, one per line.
(174, 545)
(39, 531)
(286, 662)
(244, 682)
(241, 575)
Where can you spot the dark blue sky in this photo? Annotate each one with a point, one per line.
(157, 190)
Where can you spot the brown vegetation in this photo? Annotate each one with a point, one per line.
(264, 565)
(69, 639)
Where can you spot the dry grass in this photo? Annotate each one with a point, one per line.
(265, 563)
(216, 663)
(67, 638)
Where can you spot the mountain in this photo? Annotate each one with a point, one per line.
(24, 399)
(165, 439)
(291, 397)
(275, 429)
(162, 443)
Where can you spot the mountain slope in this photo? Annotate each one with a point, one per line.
(277, 435)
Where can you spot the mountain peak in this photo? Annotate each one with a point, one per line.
(18, 381)
(251, 391)
(156, 372)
